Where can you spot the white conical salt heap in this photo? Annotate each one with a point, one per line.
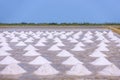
(89, 37)
(97, 53)
(99, 35)
(46, 69)
(104, 32)
(30, 47)
(69, 38)
(78, 48)
(77, 35)
(43, 39)
(110, 70)
(57, 39)
(7, 48)
(117, 41)
(71, 61)
(88, 41)
(110, 33)
(50, 36)
(89, 32)
(63, 36)
(32, 53)
(8, 36)
(21, 43)
(64, 53)
(38, 32)
(12, 69)
(100, 38)
(9, 60)
(102, 48)
(39, 61)
(73, 41)
(59, 44)
(114, 38)
(118, 45)
(84, 38)
(54, 48)
(4, 53)
(67, 33)
(29, 40)
(101, 61)
(105, 40)
(80, 44)
(102, 44)
(44, 34)
(79, 70)
(16, 39)
(4, 44)
(23, 36)
(1, 36)
(40, 44)
(36, 36)
(30, 32)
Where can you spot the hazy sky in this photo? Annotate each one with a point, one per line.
(40, 11)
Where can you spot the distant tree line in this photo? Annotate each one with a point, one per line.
(23, 23)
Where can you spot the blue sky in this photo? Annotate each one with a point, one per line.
(47, 11)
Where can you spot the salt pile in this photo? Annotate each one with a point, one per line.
(105, 40)
(101, 61)
(43, 40)
(32, 53)
(16, 39)
(40, 44)
(57, 39)
(59, 44)
(21, 43)
(7, 48)
(9, 60)
(64, 53)
(63, 36)
(97, 53)
(79, 70)
(80, 44)
(110, 70)
(73, 40)
(4, 43)
(36, 36)
(4, 53)
(100, 37)
(46, 69)
(102, 44)
(29, 40)
(118, 45)
(30, 47)
(39, 61)
(102, 48)
(54, 48)
(71, 61)
(69, 38)
(23, 36)
(88, 41)
(12, 69)
(50, 36)
(78, 48)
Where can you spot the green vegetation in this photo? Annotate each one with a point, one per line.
(59, 24)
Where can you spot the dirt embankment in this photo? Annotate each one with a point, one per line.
(115, 29)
